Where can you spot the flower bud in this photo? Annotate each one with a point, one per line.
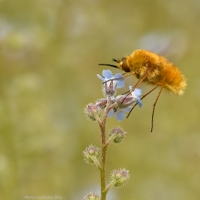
(118, 134)
(91, 155)
(125, 100)
(119, 177)
(92, 111)
(91, 196)
(101, 103)
(109, 88)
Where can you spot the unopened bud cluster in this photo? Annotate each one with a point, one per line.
(91, 155)
(91, 196)
(118, 134)
(101, 103)
(92, 111)
(119, 177)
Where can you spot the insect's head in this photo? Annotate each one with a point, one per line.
(121, 64)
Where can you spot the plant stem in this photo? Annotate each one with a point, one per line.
(102, 125)
(103, 161)
(104, 145)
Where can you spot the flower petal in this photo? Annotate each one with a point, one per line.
(137, 92)
(128, 109)
(111, 113)
(118, 76)
(107, 74)
(100, 77)
(120, 115)
(139, 101)
(119, 79)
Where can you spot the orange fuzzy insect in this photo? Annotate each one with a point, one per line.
(153, 69)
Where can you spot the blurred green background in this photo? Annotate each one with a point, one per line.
(49, 55)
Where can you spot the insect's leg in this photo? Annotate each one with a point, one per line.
(141, 99)
(154, 105)
(140, 81)
(126, 74)
(136, 83)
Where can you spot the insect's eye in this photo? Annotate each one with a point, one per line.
(125, 66)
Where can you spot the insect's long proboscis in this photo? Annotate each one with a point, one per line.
(110, 65)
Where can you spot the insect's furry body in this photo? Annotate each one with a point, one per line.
(158, 70)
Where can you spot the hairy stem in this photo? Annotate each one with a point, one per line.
(102, 125)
